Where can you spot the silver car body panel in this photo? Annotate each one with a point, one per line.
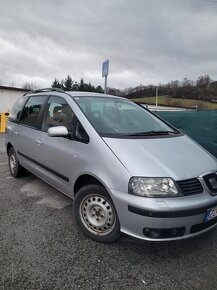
(138, 222)
(113, 161)
(176, 157)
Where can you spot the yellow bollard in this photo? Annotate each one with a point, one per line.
(3, 121)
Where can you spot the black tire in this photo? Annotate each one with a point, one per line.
(15, 168)
(96, 215)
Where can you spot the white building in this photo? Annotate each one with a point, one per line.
(8, 96)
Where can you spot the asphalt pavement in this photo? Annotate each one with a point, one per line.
(41, 247)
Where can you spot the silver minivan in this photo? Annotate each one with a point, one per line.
(127, 170)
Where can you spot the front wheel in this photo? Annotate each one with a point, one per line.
(96, 215)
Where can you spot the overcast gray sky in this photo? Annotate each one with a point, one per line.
(147, 41)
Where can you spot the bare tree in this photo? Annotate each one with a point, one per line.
(12, 84)
(186, 83)
(203, 81)
(30, 86)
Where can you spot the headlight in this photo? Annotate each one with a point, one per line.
(153, 187)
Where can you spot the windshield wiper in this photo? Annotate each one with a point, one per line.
(150, 133)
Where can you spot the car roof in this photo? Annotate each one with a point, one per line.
(73, 94)
(90, 94)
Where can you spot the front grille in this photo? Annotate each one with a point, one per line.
(190, 186)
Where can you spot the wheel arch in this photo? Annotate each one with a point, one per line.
(9, 146)
(86, 179)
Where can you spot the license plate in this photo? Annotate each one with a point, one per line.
(211, 214)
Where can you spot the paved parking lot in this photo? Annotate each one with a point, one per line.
(42, 248)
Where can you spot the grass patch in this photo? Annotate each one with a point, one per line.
(175, 102)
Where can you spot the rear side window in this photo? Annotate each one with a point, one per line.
(31, 111)
(17, 109)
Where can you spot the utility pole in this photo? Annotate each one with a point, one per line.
(157, 88)
(105, 86)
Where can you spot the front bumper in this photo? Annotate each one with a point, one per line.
(156, 219)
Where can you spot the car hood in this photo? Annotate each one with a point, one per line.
(177, 157)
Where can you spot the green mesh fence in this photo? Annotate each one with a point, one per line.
(199, 125)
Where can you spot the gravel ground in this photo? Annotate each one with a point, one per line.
(42, 248)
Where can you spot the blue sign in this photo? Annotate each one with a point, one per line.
(105, 68)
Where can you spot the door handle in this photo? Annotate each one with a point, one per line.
(16, 133)
(38, 142)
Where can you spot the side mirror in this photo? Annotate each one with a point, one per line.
(57, 131)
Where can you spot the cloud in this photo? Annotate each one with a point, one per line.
(147, 41)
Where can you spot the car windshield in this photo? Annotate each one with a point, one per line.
(116, 116)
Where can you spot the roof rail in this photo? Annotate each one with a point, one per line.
(44, 90)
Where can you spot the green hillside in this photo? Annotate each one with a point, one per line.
(167, 101)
